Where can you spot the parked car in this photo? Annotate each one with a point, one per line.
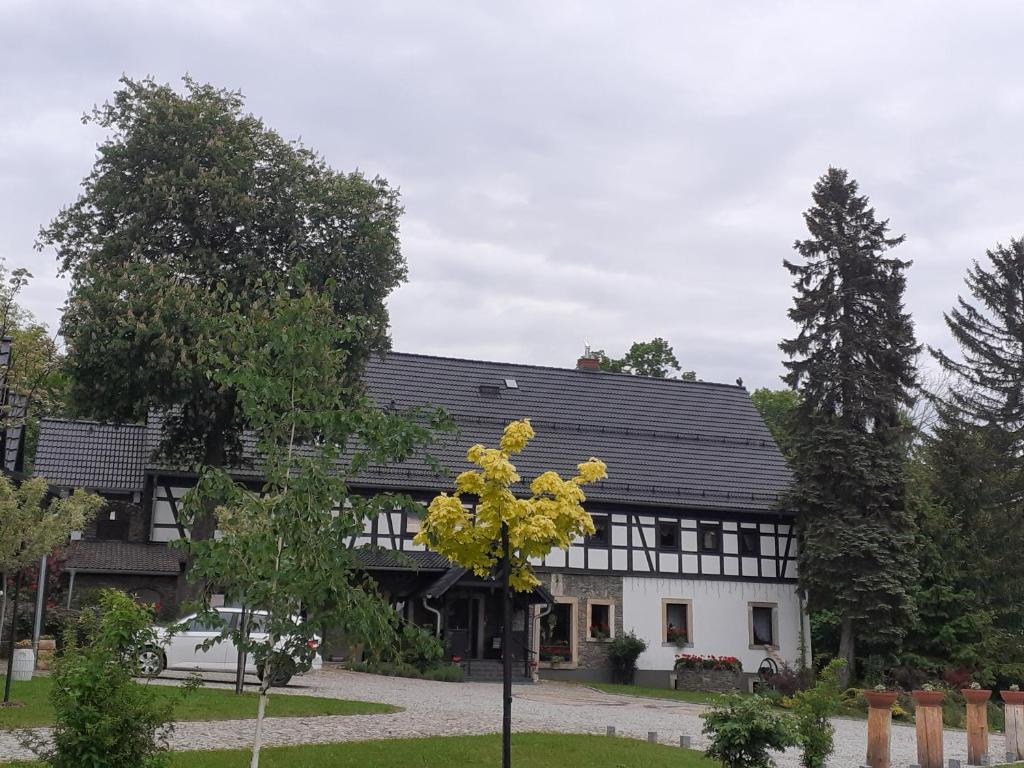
(183, 650)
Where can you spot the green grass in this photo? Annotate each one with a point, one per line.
(536, 750)
(202, 704)
(692, 697)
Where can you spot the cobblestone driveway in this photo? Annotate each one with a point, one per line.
(435, 709)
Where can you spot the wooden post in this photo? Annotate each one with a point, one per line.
(928, 714)
(977, 725)
(879, 727)
(1014, 727)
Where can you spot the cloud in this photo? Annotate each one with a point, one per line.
(573, 172)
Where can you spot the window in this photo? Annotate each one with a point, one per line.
(600, 620)
(763, 624)
(709, 537)
(668, 535)
(750, 543)
(556, 634)
(675, 623)
(600, 537)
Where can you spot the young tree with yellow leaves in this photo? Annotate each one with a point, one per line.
(502, 532)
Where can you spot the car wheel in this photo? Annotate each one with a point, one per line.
(151, 662)
(281, 677)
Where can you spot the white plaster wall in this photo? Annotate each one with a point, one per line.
(719, 617)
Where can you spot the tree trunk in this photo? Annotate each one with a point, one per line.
(13, 637)
(506, 653)
(243, 635)
(847, 648)
(261, 712)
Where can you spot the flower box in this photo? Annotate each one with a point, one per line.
(716, 680)
(1012, 697)
(976, 695)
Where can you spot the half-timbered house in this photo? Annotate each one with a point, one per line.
(692, 550)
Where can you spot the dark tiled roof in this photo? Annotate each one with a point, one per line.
(666, 442)
(669, 443)
(416, 561)
(87, 454)
(121, 557)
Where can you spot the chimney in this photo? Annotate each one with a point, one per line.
(588, 363)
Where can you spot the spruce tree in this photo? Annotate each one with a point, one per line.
(852, 364)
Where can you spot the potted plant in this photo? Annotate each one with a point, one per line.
(678, 637)
(975, 694)
(1012, 695)
(928, 696)
(880, 697)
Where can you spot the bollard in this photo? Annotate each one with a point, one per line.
(652, 736)
(1013, 702)
(977, 724)
(879, 727)
(928, 715)
(611, 730)
(684, 742)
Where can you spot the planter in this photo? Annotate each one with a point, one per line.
(47, 644)
(24, 664)
(976, 695)
(880, 699)
(1012, 697)
(928, 698)
(716, 680)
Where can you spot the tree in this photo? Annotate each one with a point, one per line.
(194, 210)
(283, 548)
(653, 358)
(32, 524)
(776, 407)
(502, 532)
(851, 364)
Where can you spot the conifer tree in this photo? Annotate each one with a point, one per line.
(852, 364)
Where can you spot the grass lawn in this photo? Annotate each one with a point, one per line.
(202, 704)
(536, 750)
(693, 697)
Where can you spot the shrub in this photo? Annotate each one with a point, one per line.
(419, 648)
(102, 716)
(743, 729)
(813, 708)
(789, 681)
(446, 673)
(623, 652)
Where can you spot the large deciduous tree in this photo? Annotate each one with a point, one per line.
(852, 363)
(654, 358)
(195, 209)
(500, 535)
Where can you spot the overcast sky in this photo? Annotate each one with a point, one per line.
(573, 173)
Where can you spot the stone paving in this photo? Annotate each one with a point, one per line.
(435, 709)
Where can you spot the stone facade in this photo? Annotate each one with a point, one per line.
(135, 521)
(591, 656)
(721, 681)
(164, 591)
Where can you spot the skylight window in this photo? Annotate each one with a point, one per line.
(511, 383)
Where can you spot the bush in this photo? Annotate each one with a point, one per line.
(103, 717)
(419, 648)
(623, 652)
(789, 681)
(813, 707)
(445, 673)
(743, 729)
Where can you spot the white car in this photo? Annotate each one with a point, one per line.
(183, 650)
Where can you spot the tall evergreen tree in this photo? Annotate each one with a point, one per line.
(852, 365)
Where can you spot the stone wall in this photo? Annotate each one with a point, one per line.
(591, 655)
(163, 590)
(718, 680)
(124, 509)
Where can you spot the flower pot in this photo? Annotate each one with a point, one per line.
(1012, 697)
(880, 699)
(976, 695)
(47, 644)
(928, 698)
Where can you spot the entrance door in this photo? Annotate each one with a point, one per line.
(462, 626)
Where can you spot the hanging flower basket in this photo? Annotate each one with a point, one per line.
(928, 698)
(880, 699)
(1012, 697)
(976, 695)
